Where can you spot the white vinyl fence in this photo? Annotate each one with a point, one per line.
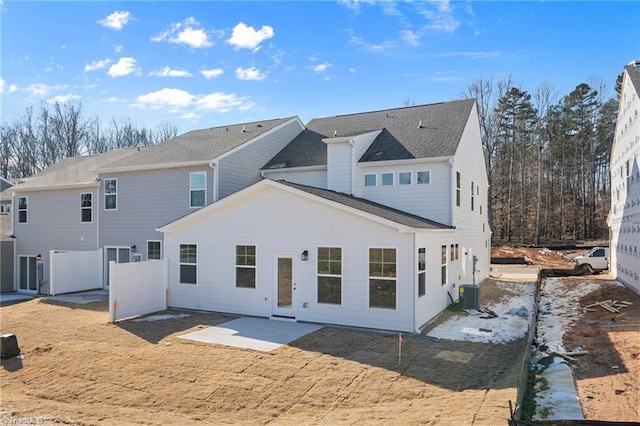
(137, 288)
(71, 271)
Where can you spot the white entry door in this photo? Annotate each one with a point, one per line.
(284, 286)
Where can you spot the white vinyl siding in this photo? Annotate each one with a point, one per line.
(340, 167)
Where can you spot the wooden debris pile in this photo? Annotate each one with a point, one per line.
(612, 306)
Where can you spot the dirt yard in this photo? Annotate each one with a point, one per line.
(77, 369)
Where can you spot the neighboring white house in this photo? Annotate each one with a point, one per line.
(369, 220)
(624, 217)
(116, 200)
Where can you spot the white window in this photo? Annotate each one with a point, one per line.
(404, 178)
(424, 177)
(330, 275)
(22, 209)
(387, 179)
(154, 250)
(422, 271)
(110, 194)
(382, 278)
(443, 265)
(86, 207)
(472, 193)
(197, 189)
(246, 266)
(458, 179)
(370, 180)
(188, 263)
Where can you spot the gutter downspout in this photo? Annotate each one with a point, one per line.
(415, 283)
(214, 166)
(452, 193)
(101, 266)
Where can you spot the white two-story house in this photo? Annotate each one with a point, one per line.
(371, 220)
(115, 201)
(624, 217)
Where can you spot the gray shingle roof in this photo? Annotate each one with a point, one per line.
(634, 74)
(423, 131)
(385, 212)
(73, 170)
(198, 145)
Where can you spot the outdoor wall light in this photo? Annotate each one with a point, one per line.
(133, 248)
(304, 256)
(39, 257)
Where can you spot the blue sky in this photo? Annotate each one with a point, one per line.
(209, 63)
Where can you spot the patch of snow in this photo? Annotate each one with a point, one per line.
(477, 327)
(556, 396)
(161, 317)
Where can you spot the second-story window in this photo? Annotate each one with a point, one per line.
(424, 177)
(110, 194)
(472, 194)
(86, 207)
(404, 178)
(197, 189)
(387, 179)
(22, 210)
(458, 189)
(370, 180)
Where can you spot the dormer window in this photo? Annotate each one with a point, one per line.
(387, 179)
(370, 180)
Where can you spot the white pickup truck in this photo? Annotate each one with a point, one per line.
(596, 260)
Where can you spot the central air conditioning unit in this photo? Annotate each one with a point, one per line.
(469, 296)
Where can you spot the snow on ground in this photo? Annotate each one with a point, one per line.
(514, 312)
(556, 396)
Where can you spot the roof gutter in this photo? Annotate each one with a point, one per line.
(156, 166)
(17, 189)
(407, 161)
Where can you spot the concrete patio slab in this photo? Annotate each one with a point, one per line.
(13, 297)
(260, 334)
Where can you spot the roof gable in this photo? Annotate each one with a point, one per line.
(424, 131)
(633, 70)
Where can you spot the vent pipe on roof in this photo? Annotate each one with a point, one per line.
(243, 129)
(335, 133)
(420, 124)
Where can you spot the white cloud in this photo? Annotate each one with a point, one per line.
(1, 85)
(491, 54)
(212, 73)
(245, 37)
(177, 100)
(386, 45)
(250, 74)
(187, 32)
(37, 90)
(440, 19)
(112, 99)
(410, 37)
(63, 99)
(117, 48)
(354, 4)
(168, 72)
(353, 70)
(116, 21)
(12, 88)
(320, 68)
(123, 67)
(96, 65)
(166, 97)
(191, 116)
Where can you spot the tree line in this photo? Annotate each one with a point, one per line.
(42, 137)
(547, 159)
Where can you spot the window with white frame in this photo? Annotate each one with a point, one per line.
(422, 271)
(443, 265)
(382, 278)
(86, 207)
(423, 177)
(188, 263)
(330, 275)
(458, 179)
(370, 180)
(154, 250)
(387, 179)
(110, 194)
(197, 189)
(22, 209)
(472, 194)
(246, 266)
(404, 178)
